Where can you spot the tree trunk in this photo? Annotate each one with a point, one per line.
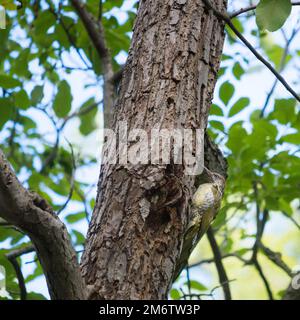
(141, 212)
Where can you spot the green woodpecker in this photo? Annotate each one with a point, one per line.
(206, 202)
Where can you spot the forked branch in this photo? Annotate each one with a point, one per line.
(31, 213)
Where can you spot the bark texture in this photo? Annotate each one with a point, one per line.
(31, 213)
(135, 236)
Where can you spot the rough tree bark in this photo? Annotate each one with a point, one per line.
(141, 212)
(31, 213)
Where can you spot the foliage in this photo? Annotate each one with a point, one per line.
(45, 47)
(272, 14)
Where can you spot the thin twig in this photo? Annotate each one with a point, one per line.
(253, 7)
(281, 68)
(81, 112)
(261, 221)
(260, 226)
(95, 31)
(12, 257)
(225, 256)
(57, 16)
(226, 18)
(72, 183)
(264, 279)
(275, 257)
(292, 219)
(100, 10)
(59, 129)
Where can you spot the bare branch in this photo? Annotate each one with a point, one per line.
(12, 257)
(95, 31)
(260, 227)
(219, 264)
(59, 129)
(253, 7)
(275, 257)
(31, 213)
(281, 68)
(72, 183)
(80, 112)
(69, 36)
(264, 279)
(225, 256)
(297, 225)
(19, 252)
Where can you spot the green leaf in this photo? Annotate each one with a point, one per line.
(274, 51)
(241, 104)
(285, 207)
(175, 294)
(22, 100)
(43, 22)
(8, 82)
(218, 125)
(73, 218)
(8, 4)
(221, 72)
(293, 138)
(108, 5)
(226, 92)
(237, 134)
(197, 285)
(37, 94)
(275, 54)
(255, 115)
(215, 110)
(238, 70)
(284, 111)
(6, 111)
(88, 119)
(272, 14)
(63, 101)
(78, 236)
(35, 296)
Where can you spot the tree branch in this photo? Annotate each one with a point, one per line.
(31, 213)
(225, 256)
(95, 31)
(297, 225)
(275, 257)
(226, 18)
(281, 68)
(12, 257)
(70, 38)
(253, 7)
(261, 221)
(264, 279)
(223, 279)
